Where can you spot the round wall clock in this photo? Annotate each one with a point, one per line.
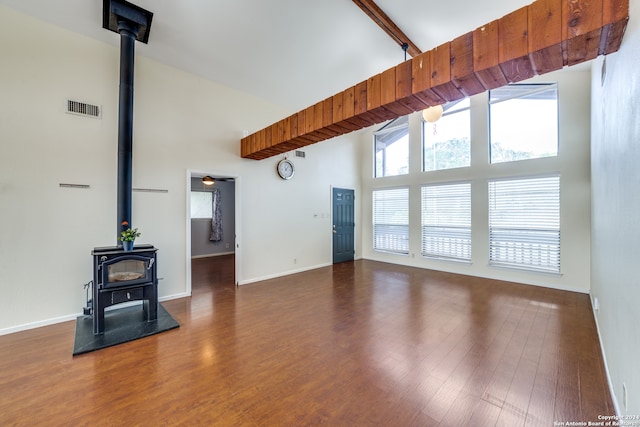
(285, 169)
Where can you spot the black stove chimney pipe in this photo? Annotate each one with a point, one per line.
(132, 23)
(128, 34)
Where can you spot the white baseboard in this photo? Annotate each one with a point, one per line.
(614, 398)
(68, 317)
(480, 275)
(285, 273)
(174, 296)
(39, 324)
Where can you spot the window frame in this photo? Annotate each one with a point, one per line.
(399, 243)
(452, 232)
(210, 202)
(535, 88)
(401, 124)
(449, 109)
(527, 235)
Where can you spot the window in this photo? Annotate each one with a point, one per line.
(446, 221)
(392, 148)
(524, 223)
(201, 204)
(391, 220)
(447, 142)
(523, 122)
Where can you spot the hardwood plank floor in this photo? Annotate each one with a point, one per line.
(355, 344)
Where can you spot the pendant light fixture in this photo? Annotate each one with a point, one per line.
(207, 180)
(432, 114)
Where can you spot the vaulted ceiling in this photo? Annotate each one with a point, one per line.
(273, 49)
(293, 53)
(535, 39)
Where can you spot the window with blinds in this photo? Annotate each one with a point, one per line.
(524, 223)
(446, 221)
(391, 220)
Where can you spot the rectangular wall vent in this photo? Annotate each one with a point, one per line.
(300, 154)
(84, 109)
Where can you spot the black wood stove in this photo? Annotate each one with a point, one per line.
(118, 275)
(121, 276)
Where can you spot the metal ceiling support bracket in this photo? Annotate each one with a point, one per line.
(115, 11)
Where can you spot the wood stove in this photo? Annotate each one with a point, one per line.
(118, 275)
(121, 276)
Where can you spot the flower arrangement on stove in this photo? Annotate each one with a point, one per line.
(130, 234)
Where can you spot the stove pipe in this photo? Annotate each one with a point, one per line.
(128, 34)
(132, 23)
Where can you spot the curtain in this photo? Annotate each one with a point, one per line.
(216, 216)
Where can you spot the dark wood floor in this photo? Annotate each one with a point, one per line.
(355, 344)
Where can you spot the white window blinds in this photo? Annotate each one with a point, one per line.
(391, 220)
(201, 202)
(524, 223)
(446, 221)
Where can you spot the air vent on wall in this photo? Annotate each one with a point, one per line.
(84, 109)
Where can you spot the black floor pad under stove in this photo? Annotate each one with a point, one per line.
(121, 325)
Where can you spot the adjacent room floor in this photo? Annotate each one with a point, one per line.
(355, 344)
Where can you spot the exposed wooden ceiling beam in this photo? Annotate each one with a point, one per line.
(379, 17)
(536, 39)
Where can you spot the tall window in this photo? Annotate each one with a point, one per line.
(391, 220)
(523, 122)
(392, 148)
(446, 221)
(524, 223)
(447, 142)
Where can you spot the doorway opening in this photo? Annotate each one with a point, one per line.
(212, 230)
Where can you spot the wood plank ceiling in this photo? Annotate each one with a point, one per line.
(536, 39)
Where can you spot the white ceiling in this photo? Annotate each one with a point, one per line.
(293, 53)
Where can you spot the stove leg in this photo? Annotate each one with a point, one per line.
(150, 303)
(98, 316)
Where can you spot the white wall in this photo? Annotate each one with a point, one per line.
(181, 123)
(616, 211)
(572, 163)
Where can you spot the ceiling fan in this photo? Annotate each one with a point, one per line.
(209, 180)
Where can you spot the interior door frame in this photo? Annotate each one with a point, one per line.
(192, 173)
